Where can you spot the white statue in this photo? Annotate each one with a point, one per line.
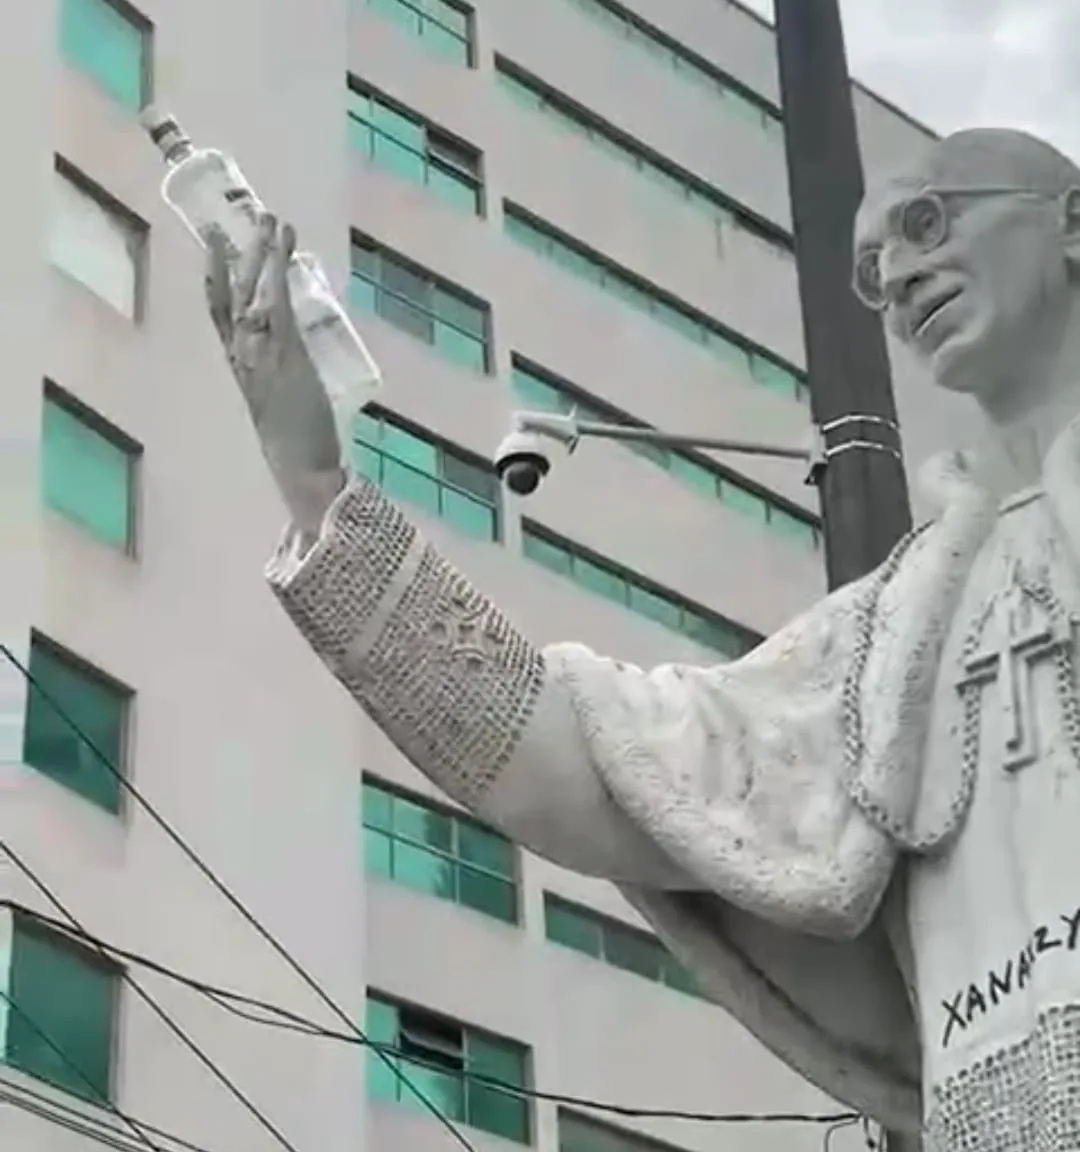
(864, 837)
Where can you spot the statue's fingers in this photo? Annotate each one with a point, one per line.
(219, 287)
(252, 263)
(280, 304)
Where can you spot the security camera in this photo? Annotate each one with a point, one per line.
(524, 457)
(522, 461)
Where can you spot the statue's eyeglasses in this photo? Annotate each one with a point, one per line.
(921, 222)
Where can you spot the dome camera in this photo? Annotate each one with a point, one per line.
(522, 461)
(525, 457)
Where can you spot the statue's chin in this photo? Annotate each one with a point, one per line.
(961, 365)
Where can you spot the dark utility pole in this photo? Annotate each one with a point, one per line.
(864, 496)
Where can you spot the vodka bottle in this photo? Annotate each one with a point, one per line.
(207, 190)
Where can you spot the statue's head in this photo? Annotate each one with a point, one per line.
(973, 256)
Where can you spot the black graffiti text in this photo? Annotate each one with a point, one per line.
(980, 997)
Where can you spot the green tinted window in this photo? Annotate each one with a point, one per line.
(547, 553)
(428, 475)
(532, 390)
(419, 304)
(574, 926)
(61, 1018)
(63, 697)
(86, 475)
(441, 27)
(671, 55)
(577, 1134)
(442, 855)
(407, 146)
(613, 583)
(574, 257)
(489, 1106)
(100, 40)
(454, 1067)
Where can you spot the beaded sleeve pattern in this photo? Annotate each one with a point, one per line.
(433, 662)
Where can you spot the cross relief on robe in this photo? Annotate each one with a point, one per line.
(1016, 630)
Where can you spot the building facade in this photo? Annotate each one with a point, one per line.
(544, 205)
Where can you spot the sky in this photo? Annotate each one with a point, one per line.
(970, 63)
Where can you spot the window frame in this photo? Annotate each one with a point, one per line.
(443, 448)
(424, 16)
(604, 925)
(554, 245)
(725, 210)
(685, 62)
(53, 393)
(94, 673)
(114, 970)
(457, 819)
(145, 27)
(466, 1031)
(136, 232)
(360, 241)
(434, 134)
(533, 530)
(634, 1141)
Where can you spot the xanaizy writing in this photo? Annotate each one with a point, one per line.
(977, 999)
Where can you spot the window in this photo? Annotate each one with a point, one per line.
(106, 41)
(442, 27)
(539, 97)
(421, 304)
(427, 849)
(579, 1134)
(66, 695)
(538, 389)
(443, 482)
(87, 469)
(616, 944)
(736, 98)
(606, 579)
(407, 146)
(457, 1068)
(58, 1009)
(574, 257)
(94, 241)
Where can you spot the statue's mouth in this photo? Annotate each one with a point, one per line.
(929, 311)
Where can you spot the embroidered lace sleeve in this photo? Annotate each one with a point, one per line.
(460, 692)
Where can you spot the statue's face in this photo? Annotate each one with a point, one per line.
(967, 277)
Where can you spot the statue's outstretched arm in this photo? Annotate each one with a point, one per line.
(509, 731)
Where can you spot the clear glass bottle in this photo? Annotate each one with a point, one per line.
(207, 190)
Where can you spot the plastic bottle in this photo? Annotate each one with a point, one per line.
(207, 190)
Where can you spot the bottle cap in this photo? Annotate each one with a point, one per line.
(164, 130)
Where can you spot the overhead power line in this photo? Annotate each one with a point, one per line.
(75, 928)
(72, 1067)
(262, 1012)
(233, 900)
(85, 1123)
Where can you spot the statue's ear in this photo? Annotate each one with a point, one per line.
(1070, 227)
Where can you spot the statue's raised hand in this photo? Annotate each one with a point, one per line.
(252, 312)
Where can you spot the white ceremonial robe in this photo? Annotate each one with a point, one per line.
(710, 795)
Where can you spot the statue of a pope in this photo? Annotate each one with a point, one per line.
(861, 837)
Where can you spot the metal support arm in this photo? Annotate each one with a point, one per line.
(568, 430)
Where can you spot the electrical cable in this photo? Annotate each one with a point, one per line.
(23, 1097)
(831, 1131)
(71, 1066)
(237, 1093)
(234, 901)
(240, 1004)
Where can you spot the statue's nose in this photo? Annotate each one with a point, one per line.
(902, 276)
